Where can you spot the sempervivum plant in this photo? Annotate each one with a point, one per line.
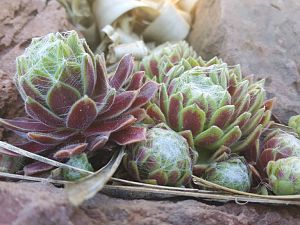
(164, 158)
(284, 176)
(73, 105)
(278, 144)
(232, 173)
(213, 106)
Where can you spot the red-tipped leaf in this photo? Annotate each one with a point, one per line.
(50, 138)
(82, 114)
(121, 103)
(129, 135)
(136, 81)
(123, 71)
(88, 75)
(70, 150)
(61, 97)
(25, 125)
(41, 113)
(146, 93)
(108, 126)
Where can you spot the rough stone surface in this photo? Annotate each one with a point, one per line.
(20, 20)
(262, 36)
(43, 204)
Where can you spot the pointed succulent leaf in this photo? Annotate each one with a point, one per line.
(98, 141)
(73, 42)
(257, 98)
(136, 81)
(147, 92)
(241, 121)
(27, 89)
(108, 126)
(50, 138)
(61, 97)
(266, 156)
(240, 92)
(101, 85)
(139, 114)
(253, 122)
(265, 120)
(209, 136)
(82, 114)
(122, 102)
(25, 125)
(221, 154)
(254, 135)
(36, 167)
(41, 113)
(223, 78)
(155, 113)
(70, 150)
(222, 116)
(153, 65)
(242, 105)
(175, 106)
(34, 147)
(129, 135)
(187, 134)
(193, 119)
(88, 75)
(159, 176)
(123, 71)
(104, 103)
(228, 139)
(71, 75)
(163, 99)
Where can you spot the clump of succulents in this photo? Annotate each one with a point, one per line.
(232, 173)
(73, 104)
(164, 158)
(278, 144)
(212, 105)
(284, 176)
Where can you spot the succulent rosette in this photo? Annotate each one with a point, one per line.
(284, 176)
(73, 104)
(213, 106)
(277, 145)
(164, 158)
(232, 173)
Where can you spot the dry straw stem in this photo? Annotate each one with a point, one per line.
(204, 183)
(6, 146)
(90, 185)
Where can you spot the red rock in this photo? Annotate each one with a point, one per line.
(43, 204)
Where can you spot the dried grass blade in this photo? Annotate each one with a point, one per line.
(39, 158)
(207, 196)
(30, 178)
(202, 182)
